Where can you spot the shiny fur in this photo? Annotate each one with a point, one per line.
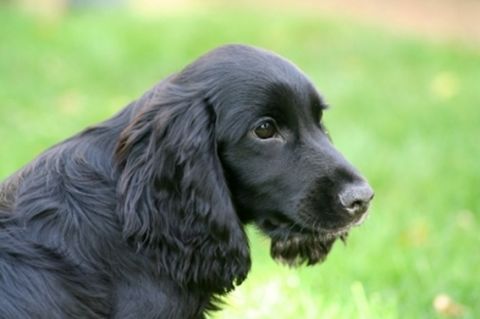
(142, 216)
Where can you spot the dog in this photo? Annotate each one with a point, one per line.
(143, 215)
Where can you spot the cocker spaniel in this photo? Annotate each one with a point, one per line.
(142, 216)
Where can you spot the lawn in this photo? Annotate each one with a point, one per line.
(403, 110)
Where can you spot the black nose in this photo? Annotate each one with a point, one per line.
(355, 198)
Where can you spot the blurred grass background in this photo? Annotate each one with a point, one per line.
(405, 111)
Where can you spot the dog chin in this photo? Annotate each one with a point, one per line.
(298, 249)
(296, 245)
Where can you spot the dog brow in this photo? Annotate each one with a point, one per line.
(324, 106)
(318, 104)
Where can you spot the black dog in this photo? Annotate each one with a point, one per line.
(142, 216)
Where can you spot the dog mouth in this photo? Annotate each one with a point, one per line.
(294, 244)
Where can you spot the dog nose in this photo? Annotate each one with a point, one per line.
(355, 198)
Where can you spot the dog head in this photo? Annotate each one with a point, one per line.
(236, 137)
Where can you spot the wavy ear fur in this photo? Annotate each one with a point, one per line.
(174, 199)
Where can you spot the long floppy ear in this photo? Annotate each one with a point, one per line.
(174, 199)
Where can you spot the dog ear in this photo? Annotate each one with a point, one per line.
(174, 199)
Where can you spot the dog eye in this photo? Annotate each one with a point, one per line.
(265, 130)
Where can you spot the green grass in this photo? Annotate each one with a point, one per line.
(404, 111)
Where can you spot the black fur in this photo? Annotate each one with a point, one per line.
(142, 216)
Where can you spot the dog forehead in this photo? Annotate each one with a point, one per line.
(258, 62)
(240, 64)
(245, 82)
(261, 70)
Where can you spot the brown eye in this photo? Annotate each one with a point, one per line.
(265, 130)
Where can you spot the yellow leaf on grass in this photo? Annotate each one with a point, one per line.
(446, 306)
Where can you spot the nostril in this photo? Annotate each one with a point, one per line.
(357, 208)
(357, 203)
